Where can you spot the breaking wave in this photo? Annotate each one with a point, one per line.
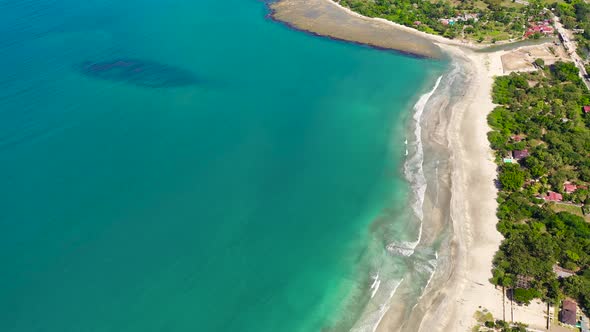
(414, 172)
(371, 323)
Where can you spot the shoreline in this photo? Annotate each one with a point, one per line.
(455, 133)
(472, 203)
(449, 302)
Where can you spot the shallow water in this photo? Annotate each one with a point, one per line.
(260, 200)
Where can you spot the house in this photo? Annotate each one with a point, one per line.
(417, 23)
(539, 27)
(520, 154)
(553, 197)
(561, 272)
(568, 313)
(569, 187)
(444, 21)
(509, 161)
(587, 109)
(517, 138)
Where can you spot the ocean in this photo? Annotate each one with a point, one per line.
(195, 166)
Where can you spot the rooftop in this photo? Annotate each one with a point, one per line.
(561, 272)
(553, 196)
(568, 314)
(569, 187)
(519, 154)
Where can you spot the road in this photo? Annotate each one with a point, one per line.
(570, 47)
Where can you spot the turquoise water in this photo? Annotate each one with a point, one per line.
(243, 202)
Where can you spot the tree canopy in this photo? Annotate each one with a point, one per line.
(548, 121)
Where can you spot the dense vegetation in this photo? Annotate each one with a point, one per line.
(576, 15)
(497, 19)
(542, 112)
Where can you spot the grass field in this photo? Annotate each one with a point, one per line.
(558, 207)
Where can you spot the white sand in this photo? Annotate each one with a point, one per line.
(473, 205)
(473, 210)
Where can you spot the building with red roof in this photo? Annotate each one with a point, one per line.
(540, 27)
(553, 197)
(569, 187)
(587, 109)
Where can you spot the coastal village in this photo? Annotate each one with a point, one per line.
(538, 54)
(567, 195)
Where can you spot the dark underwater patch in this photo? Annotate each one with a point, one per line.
(139, 72)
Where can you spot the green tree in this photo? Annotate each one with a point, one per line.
(512, 177)
(566, 71)
(525, 296)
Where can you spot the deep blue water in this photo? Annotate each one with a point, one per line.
(241, 201)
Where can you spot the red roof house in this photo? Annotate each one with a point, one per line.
(519, 154)
(553, 197)
(569, 187)
(540, 27)
(587, 109)
(568, 314)
(516, 138)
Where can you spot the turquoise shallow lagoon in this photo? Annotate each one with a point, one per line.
(242, 202)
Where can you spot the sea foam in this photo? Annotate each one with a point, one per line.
(372, 321)
(414, 172)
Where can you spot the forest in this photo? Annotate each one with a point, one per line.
(542, 113)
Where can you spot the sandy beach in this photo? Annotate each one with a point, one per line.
(452, 299)
(458, 291)
(473, 204)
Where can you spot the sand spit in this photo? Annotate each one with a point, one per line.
(326, 18)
